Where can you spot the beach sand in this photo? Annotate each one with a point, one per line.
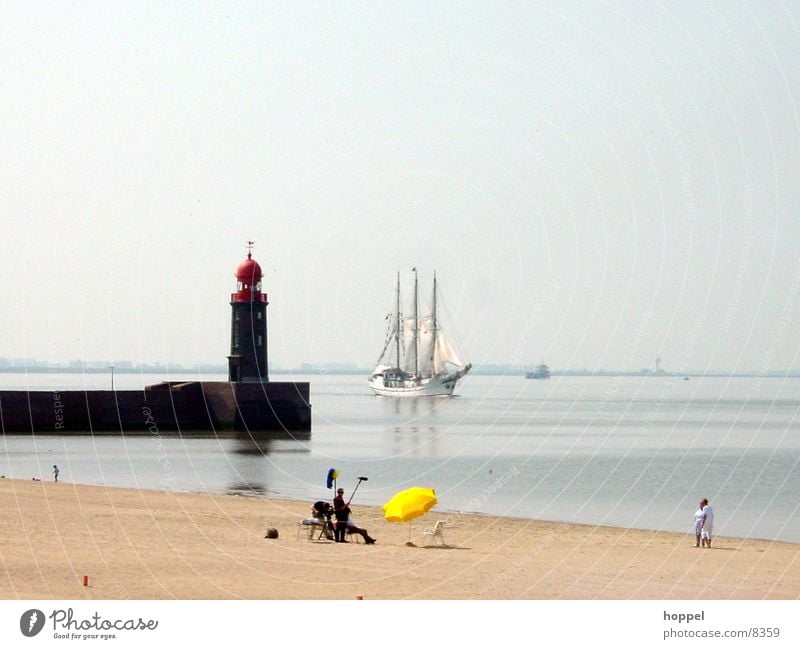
(136, 544)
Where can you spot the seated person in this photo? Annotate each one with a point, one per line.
(352, 528)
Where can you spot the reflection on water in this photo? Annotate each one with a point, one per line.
(271, 442)
(252, 447)
(416, 430)
(250, 459)
(246, 489)
(415, 407)
(414, 441)
(425, 409)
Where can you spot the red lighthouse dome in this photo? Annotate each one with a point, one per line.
(248, 281)
(249, 271)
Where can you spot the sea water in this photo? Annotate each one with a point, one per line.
(634, 452)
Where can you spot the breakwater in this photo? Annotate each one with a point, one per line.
(192, 408)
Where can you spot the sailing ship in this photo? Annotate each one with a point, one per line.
(541, 372)
(418, 359)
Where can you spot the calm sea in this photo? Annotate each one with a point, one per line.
(628, 452)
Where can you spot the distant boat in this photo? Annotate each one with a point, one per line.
(418, 359)
(541, 372)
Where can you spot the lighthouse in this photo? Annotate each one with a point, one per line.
(248, 357)
(245, 406)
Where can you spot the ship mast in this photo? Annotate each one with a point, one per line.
(416, 324)
(399, 322)
(435, 324)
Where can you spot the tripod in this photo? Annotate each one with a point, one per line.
(327, 530)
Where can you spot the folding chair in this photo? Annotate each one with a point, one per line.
(434, 534)
(309, 527)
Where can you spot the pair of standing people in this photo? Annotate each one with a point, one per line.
(703, 524)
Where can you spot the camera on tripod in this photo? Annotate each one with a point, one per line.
(323, 511)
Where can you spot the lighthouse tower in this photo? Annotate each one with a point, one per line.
(248, 358)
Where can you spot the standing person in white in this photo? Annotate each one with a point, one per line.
(708, 523)
(698, 525)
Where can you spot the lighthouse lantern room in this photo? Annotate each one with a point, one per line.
(248, 357)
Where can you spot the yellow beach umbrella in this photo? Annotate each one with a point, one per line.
(409, 504)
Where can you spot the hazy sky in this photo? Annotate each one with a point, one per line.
(594, 183)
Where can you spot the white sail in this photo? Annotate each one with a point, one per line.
(427, 345)
(408, 342)
(445, 354)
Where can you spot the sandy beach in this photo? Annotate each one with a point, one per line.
(134, 544)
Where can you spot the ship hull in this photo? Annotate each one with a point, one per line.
(440, 385)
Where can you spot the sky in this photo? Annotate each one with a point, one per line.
(594, 183)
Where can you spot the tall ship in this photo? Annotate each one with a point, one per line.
(541, 372)
(418, 359)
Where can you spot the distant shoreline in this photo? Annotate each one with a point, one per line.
(476, 371)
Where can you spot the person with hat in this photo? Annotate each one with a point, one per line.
(342, 512)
